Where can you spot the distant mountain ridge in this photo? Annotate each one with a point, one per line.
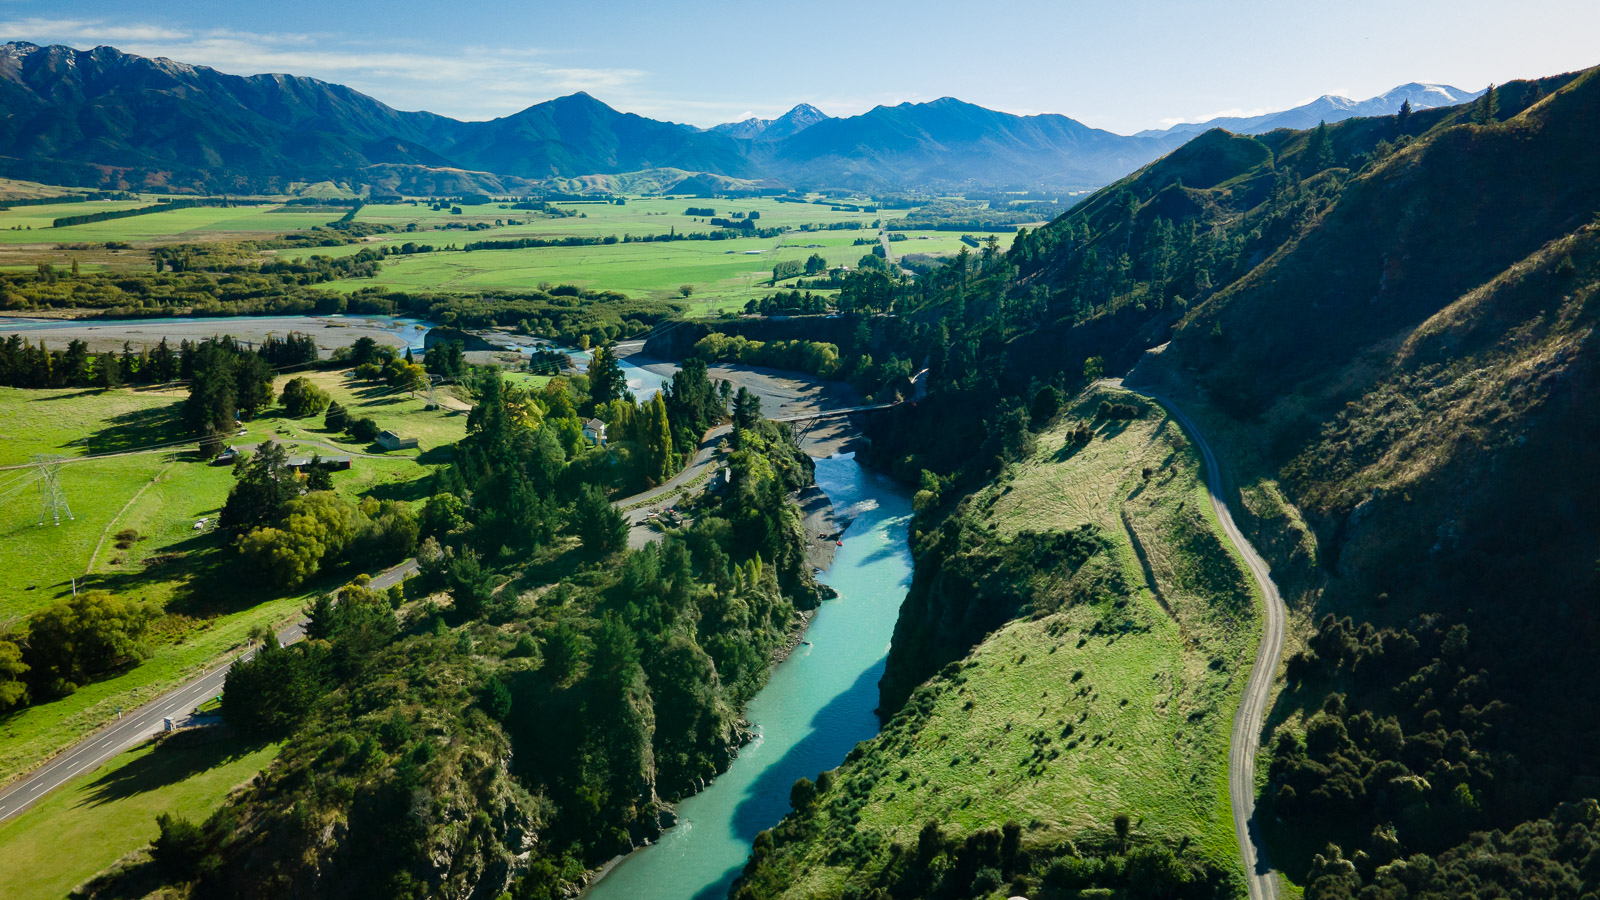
(106, 118)
(796, 120)
(1331, 108)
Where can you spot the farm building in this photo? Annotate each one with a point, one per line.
(337, 463)
(388, 440)
(595, 430)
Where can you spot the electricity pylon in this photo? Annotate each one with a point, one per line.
(52, 500)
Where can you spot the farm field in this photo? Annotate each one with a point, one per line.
(640, 215)
(195, 223)
(112, 812)
(723, 274)
(1069, 717)
(208, 612)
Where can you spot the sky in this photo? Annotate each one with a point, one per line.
(1123, 66)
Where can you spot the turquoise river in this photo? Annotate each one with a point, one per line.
(817, 706)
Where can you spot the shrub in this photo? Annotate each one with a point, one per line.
(364, 429)
(301, 398)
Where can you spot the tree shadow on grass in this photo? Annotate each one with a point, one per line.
(174, 759)
(138, 428)
(416, 490)
(47, 398)
(436, 456)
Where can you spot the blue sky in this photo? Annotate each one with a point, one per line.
(1124, 66)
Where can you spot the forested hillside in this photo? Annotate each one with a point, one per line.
(1385, 325)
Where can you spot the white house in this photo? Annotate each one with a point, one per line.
(595, 430)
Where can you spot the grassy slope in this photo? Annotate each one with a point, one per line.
(78, 831)
(209, 614)
(1149, 714)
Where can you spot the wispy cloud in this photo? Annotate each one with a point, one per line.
(472, 82)
(87, 30)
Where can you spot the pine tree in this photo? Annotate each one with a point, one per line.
(1319, 150)
(1487, 107)
(1404, 116)
(107, 372)
(606, 381)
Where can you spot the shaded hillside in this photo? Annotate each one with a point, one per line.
(1388, 326)
(165, 121)
(579, 135)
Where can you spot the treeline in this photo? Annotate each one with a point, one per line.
(955, 215)
(812, 357)
(791, 303)
(29, 365)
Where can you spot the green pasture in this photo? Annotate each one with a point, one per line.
(209, 609)
(724, 274)
(194, 223)
(85, 827)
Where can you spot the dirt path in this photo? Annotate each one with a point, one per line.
(88, 570)
(1251, 716)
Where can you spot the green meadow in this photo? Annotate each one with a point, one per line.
(194, 223)
(111, 812)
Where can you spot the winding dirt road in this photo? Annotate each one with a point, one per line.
(1251, 715)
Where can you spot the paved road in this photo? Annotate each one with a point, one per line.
(141, 723)
(1250, 718)
(640, 505)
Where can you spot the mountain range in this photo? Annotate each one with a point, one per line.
(106, 118)
(1331, 108)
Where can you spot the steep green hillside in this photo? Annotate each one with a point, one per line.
(1386, 326)
(1120, 629)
